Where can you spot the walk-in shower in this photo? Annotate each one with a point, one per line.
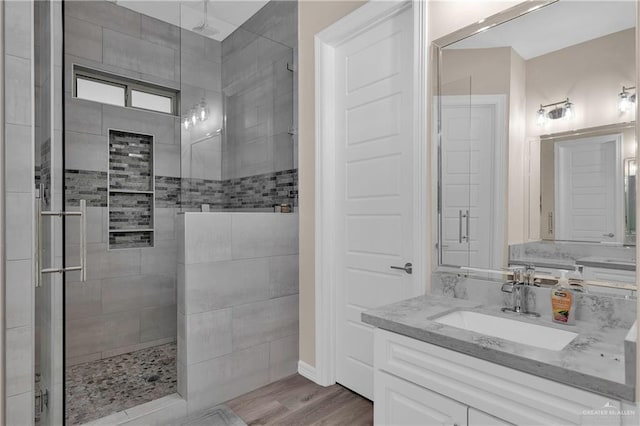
(147, 112)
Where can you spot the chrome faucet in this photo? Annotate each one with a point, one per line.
(519, 288)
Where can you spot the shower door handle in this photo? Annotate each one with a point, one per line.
(83, 242)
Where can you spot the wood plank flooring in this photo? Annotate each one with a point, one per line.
(297, 401)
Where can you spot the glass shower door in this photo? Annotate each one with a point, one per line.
(49, 260)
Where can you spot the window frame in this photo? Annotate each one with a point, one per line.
(128, 85)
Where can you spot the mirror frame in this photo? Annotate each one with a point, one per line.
(435, 135)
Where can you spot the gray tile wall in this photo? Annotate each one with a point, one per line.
(129, 299)
(259, 93)
(127, 303)
(237, 303)
(19, 180)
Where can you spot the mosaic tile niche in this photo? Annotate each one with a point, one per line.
(130, 190)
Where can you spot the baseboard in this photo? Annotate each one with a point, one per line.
(308, 371)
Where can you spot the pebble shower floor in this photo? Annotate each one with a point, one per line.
(99, 388)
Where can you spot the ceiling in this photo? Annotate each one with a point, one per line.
(225, 16)
(554, 27)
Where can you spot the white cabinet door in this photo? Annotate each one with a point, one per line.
(400, 403)
(480, 418)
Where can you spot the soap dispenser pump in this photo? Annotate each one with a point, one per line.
(562, 301)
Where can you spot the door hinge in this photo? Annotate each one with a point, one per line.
(42, 400)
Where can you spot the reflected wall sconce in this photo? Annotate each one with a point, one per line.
(562, 109)
(626, 99)
(199, 112)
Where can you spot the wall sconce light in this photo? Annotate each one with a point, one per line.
(199, 112)
(562, 109)
(626, 99)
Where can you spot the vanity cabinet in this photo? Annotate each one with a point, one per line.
(408, 404)
(417, 383)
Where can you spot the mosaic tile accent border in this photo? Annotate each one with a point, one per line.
(130, 169)
(130, 161)
(85, 184)
(196, 192)
(258, 191)
(167, 192)
(261, 191)
(130, 211)
(123, 240)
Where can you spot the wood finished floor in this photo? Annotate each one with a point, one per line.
(297, 401)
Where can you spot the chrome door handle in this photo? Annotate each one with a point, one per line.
(408, 268)
(459, 226)
(467, 237)
(83, 242)
(610, 235)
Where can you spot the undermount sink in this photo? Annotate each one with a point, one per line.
(508, 329)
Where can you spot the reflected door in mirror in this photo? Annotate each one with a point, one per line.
(588, 190)
(469, 146)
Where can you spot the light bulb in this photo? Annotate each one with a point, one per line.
(203, 110)
(542, 118)
(194, 117)
(624, 104)
(185, 122)
(568, 110)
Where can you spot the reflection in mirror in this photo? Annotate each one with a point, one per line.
(582, 184)
(630, 168)
(556, 112)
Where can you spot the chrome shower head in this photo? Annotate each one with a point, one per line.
(205, 29)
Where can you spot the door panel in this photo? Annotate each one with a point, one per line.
(589, 190)
(470, 200)
(374, 187)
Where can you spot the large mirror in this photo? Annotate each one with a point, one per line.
(535, 129)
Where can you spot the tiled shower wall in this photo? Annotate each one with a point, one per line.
(19, 183)
(129, 300)
(259, 89)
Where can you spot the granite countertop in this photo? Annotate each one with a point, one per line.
(607, 263)
(543, 262)
(593, 361)
(569, 265)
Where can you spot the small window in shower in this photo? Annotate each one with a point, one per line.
(112, 89)
(151, 101)
(100, 91)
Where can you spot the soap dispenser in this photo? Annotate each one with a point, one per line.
(562, 301)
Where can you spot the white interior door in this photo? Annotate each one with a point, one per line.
(374, 186)
(588, 190)
(471, 148)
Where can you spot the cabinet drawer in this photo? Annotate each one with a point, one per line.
(508, 394)
(400, 403)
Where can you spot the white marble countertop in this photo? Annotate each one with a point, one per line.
(593, 361)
